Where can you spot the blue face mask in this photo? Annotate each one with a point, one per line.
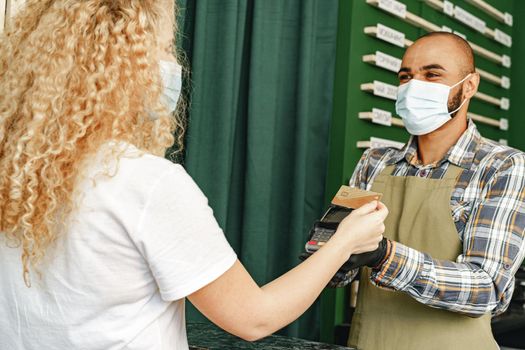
(171, 74)
(424, 105)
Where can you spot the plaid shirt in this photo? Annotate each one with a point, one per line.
(488, 208)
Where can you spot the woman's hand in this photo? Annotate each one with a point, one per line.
(237, 304)
(363, 229)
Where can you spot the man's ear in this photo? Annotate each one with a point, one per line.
(471, 85)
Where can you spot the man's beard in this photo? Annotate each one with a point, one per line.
(455, 102)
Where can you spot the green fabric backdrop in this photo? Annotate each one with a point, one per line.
(257, 143)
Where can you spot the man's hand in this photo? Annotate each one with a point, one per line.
(373, 259)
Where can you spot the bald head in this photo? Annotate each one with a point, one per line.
(459, 47)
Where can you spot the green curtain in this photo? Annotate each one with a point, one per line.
(257, 143)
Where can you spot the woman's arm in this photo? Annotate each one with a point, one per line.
(237, 304)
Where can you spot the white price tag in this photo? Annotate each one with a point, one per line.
(503, 142)
(502, 37)
(446, 29)
(505, 82)
(508, 19)
(448, 8)
(394, 7)
(504, 124)
(385, 90)
(506, 61)
(390, 35)
(381, 117)
(469, 19)
(505, 103)
(388, 62)
(376, 142)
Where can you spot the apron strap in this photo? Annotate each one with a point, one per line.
(453, 172)
(389, 169)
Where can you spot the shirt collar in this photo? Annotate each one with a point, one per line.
(461, 154)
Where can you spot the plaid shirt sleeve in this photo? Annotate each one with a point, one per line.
(358, 178)
(481, 280)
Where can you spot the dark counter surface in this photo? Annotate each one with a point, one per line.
(202, 336)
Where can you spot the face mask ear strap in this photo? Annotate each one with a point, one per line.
(457, 109)
(465, 100)
(462, 80)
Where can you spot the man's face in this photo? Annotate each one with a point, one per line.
(433, 59)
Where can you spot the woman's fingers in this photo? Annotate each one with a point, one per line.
(381, 212)
(367, 208)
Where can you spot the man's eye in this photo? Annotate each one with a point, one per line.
(404, 77)
(432, 75)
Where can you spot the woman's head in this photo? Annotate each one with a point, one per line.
(74, 75)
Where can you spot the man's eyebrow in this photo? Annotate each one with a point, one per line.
(404, 70)
(432, 66)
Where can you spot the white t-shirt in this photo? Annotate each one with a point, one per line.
(138, 244)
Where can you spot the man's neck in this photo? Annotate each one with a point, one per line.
(434, 146)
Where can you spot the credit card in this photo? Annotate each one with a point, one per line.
(353, 198)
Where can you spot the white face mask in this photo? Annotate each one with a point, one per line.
(171, 74)
(424, 105)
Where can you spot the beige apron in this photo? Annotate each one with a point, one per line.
(419, 218)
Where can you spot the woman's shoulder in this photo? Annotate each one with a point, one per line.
(131, 153)
(124, 163)
(149, 177)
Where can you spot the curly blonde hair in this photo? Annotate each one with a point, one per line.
(73, 76)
